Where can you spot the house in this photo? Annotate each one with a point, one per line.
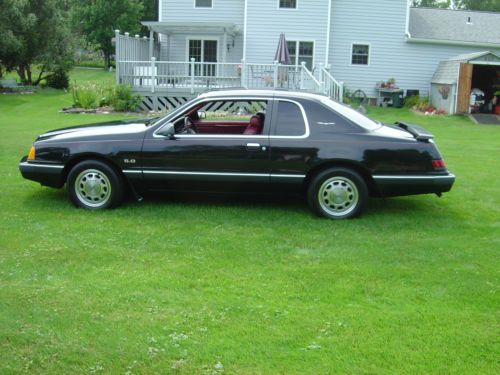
(209, 44)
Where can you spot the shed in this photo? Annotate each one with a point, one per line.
(454, 79)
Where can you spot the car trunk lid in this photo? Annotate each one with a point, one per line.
(420, 134)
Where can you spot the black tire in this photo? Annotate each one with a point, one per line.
(94, 185)
(337, 193)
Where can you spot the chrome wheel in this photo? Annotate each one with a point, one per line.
(92, 188)
(338, 196)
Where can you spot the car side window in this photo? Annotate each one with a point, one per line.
(289, 119)
(244, 117)
(326, 119)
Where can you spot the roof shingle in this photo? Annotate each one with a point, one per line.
(455, 25)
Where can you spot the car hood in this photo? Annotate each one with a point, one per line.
(110, 129)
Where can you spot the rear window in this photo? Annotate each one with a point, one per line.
(352, 114)
(289, 120)
(325, 118)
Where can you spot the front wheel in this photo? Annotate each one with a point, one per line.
(94, 185)
(337, 193)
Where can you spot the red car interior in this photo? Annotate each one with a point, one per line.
(253, 127)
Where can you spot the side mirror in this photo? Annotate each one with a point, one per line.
(168, 130)
(202, 115)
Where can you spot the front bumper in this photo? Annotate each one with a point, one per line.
(394, 185)
(46, 174)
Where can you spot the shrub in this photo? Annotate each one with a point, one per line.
(58, 79)
(411, 101)
(423, 104)
(85, 95)
(90, 95)
(124, 100)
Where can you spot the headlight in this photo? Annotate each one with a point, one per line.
(31, 154)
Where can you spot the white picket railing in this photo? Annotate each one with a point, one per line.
(332, 88)
(200, 76)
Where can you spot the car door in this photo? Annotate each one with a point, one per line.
(291, 150)
(209, 161)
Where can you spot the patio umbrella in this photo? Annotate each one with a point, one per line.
(282, 54)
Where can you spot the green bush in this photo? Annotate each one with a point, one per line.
(411, 101)
(90, 95)
(85, 95)
(124, 100)
(423, 104)
(58, 79)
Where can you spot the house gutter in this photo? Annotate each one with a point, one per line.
(328, 31)
(410, 39)
(245, 32)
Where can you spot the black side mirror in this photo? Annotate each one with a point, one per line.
(167, 130)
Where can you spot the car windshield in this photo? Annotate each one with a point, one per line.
(352, 114)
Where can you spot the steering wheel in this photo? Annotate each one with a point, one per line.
(189, 127)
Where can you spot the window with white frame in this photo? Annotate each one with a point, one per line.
(301, 51)
(360, 54)
(288, 4)
(203, 3)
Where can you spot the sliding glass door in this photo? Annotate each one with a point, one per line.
(205, 51)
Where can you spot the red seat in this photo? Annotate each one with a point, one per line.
(255, 126)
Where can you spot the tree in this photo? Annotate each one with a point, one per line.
(34, 32)
(431, 3)
(97, 20)
(150, 13)
(486, 5)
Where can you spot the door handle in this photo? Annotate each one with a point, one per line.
(253, 146)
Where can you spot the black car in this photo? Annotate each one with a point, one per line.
(243, 141)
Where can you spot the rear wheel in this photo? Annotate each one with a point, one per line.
(94, 185)
(337, 193)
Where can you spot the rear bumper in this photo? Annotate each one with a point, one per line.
(46, 174)
(409, 185)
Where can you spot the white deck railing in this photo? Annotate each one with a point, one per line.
(196, 77)
(333, 88)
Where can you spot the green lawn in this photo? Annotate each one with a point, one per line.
(248, 285)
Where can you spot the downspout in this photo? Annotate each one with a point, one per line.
(160, 19)
(245, 32)
(407, 29)
(328, 31)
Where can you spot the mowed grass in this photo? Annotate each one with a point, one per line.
(209, 285)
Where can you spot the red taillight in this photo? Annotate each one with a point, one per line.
(438, 164)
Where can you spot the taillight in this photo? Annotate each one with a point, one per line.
(438, 164)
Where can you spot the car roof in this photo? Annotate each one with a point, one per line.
(266, 93)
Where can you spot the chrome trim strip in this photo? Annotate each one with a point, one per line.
(129, 171)
(38, 165)
(222, 174)
(410, 177)
(207, 173)
(289, 175)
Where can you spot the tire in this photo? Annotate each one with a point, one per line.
(337, 193)
(94, 185)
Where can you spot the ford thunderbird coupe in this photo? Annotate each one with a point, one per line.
(246, 141)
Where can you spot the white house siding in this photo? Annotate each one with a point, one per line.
(227, 11)
(382, 24)
(224, 11)
(178, 47)
(266, 22)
